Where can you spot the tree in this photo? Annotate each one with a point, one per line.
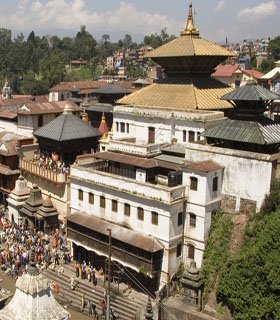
(274, 48)
(105, 38)
(85, 44)
(127, 41)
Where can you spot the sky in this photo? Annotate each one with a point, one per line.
(217, 20)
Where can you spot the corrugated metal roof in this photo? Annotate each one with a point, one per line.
(250, 92)
(180, 96)
(257, 132)
(46, 107)
(67, 127)
(125, 235)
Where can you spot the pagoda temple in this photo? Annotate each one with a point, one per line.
(66, 137)
(247, 128)
(188, 62)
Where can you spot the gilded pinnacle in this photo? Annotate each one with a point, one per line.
(190, 28)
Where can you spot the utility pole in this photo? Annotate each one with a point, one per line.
(109, 275)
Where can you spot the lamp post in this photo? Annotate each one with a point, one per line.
(109, 275)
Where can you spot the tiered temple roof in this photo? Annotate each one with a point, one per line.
(188, 62)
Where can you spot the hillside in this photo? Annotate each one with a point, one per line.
(245, 278)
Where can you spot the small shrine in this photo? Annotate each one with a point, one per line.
(30, 208)
(193, 286)
(65, 137)
(17, 199)
(33, 299)
(47, 216)
(103, 128)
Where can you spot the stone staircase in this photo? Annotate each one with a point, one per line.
(127, 305)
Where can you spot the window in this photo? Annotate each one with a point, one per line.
(180, 218)
(191, 136)
(192, 220)
(194, 183)
(215, 184)
(117, 126)
(91, 198)
(198, 136)
(140, 213)
(40, 121)
(179, 250)
(114, 205)
(127, 128)
(126, 209)
(102, 202)
(154, 218)
(80, 195)
(151, 135)
(122, 127)
(184, 135)
(191, 251)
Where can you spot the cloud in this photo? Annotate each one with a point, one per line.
(69, 15)
(220, 6)
(259, 12)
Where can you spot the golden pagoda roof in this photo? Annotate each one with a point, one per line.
(189, 44)
(179, 97)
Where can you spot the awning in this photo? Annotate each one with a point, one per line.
(125, 235)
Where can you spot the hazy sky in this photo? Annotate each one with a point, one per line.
(216, 19)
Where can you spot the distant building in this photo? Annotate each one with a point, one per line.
(234, 76)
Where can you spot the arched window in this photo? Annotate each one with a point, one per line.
(215, 184)
(184, 136)
(191, 251)
(194, 183)
(140, 213)
(191, 136)
(126, 209)
(192, 221)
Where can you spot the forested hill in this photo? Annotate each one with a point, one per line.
(247, 282)
(35, 64)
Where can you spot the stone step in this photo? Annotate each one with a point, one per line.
(138, 299)
(124, 308)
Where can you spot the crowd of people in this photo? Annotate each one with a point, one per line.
(19, 245)
(51, 163)
(16, 245)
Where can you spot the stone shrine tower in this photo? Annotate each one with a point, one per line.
(17, 199)
(33, 299)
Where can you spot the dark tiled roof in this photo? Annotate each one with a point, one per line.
(251, 92)
(203, 166)
(261, 131)
(66, 127)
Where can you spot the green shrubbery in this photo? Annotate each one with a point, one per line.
(216, 253)
(250, 282)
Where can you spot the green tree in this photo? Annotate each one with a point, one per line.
(85, 44)
(273, 48)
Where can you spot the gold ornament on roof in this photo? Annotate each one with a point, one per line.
(190, 28)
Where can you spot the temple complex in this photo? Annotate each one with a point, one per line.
(143, 187)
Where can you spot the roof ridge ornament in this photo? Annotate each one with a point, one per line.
(68, 109)
(190, 28)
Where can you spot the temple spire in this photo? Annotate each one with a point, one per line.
(190, 28)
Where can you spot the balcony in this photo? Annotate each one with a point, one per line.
(129, 146)
(147, 190)
(43, 173)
